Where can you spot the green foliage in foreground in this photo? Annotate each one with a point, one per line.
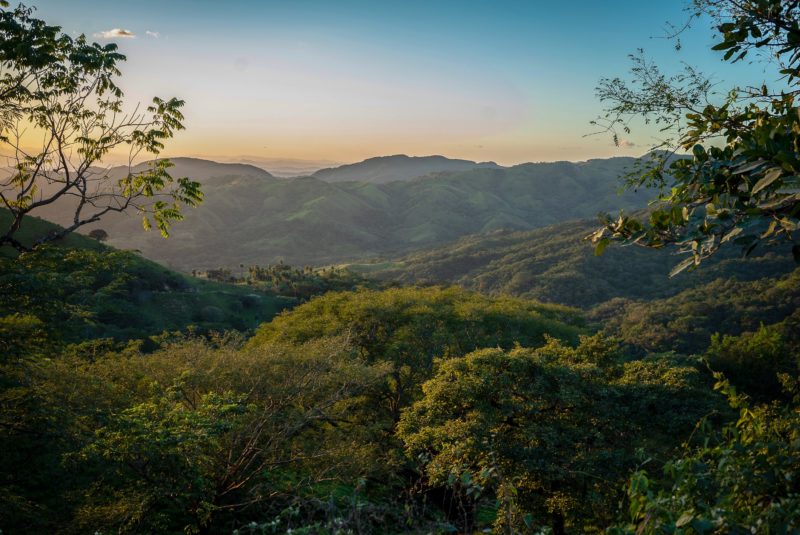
(409, 327)
(742, 479)
(740, 187)
(399, 411)
(177, 440)
(548, 432)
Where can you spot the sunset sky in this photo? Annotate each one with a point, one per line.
(509, 81)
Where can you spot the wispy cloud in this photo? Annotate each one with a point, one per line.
(116, 33)
(626, 143)
(154, 35)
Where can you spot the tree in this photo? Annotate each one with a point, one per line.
(739, 184)
(549, 433)
(61, 113)
(410, 327)
(186, 439)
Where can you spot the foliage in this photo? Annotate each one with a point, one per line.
(409, 327)
(283, 279)
(176, 440)
(742, 479)
(754, 362)
(61, 92)
(549, 432)
(98, 234)
(740, 185)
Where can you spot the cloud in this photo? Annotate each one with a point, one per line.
(154, 35)
(115, 33)
(626, 143)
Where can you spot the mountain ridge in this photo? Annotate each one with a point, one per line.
(397, 167)
(249, 217)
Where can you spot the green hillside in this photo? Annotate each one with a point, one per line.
(554, 264)
(33, 227)
(258, 219)
(79, 289)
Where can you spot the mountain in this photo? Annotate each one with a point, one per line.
(206, 171)
(554, 264)
(384, 169)
(249, 217)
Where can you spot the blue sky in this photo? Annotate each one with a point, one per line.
(509, 81)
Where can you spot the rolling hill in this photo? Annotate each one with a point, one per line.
(250, 217)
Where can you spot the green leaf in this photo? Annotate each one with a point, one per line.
(732, 234)
(601, 246)
(747, 167)
(684, 519)
(771, 176)
(724, 45)
(528, 520)
(682, 266)
(702, 526)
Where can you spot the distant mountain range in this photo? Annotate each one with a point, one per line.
(385, 169)
(251, 217)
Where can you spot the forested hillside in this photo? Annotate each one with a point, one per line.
(79, 289)
(555, 264)
(253, 218)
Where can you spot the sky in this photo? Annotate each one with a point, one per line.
(340, 81)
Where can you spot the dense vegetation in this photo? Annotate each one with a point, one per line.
(365, 411)
(553, 264)
(69, 294)
(299, 426)
(686, 322)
